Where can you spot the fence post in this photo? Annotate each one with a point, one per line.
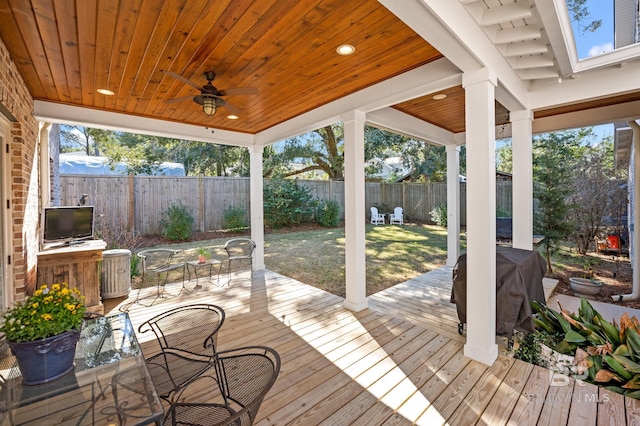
(201, 204)
(131, 209)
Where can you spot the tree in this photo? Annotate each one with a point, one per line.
(553, 154)
(595, 193)
(428, 162)
(144, 153)
(579, 13)
(504, 157)
(321, 149)
(379, 145)
(92, 141)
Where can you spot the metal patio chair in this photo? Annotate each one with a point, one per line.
(188, 337)
(158, 262)
(239, 249)
(245, 376)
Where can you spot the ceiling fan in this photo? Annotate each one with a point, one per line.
(210, 97)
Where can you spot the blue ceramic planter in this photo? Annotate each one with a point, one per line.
(44, 360)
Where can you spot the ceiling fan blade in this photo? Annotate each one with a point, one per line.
(240, 91)
(182, 79)
(231, 108)
(183, 98)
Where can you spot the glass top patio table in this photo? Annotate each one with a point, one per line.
(90, 394)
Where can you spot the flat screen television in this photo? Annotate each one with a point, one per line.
(67, 224)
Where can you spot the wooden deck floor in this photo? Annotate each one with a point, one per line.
(398, 362)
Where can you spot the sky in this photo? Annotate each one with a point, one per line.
(600, 41)
(595, 43)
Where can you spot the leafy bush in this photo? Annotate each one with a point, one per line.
(234, 218)
(439, 214)
(502, 213)
(604, 353)
(176, 223)
(286, 203)
(328, 213)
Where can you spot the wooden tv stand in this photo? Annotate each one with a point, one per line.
(77, 265)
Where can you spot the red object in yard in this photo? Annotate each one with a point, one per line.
(613, 241)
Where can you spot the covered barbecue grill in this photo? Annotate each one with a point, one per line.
(519, 276)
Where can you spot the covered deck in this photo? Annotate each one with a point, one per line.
(400, 361)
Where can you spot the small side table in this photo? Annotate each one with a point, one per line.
(197, 265)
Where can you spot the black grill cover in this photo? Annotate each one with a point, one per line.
(519, 276)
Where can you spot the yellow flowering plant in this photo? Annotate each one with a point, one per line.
(48, 312)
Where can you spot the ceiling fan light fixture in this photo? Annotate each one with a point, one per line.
(209, 105)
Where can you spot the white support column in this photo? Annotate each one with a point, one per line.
(522, 140)
(481, 215)
(453, 204)
(257, 205)
(354, 211)
(45, 167)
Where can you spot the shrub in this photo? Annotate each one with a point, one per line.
(286, 203)
(439, 214)
(176, 223)
(502, 213)
(328, 213)
(604, 353)
(234, 218)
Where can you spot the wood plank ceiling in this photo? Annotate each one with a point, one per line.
(66, 50)
(286, 49)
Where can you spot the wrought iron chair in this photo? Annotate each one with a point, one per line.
(158, 262)
(187, 336)
(245, 376)
(376, 218)
(239, 249)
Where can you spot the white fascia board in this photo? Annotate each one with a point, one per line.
(620, 56)
(429, 78)
(621, 112)
(448, 27)
(593, 85)
(554, 17)
(401, 123)
(74, 115)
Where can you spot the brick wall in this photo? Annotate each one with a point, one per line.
(16, 104)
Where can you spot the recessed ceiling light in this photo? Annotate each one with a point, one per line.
(439, 96)
(232, 117)
(345, 49)
(106, 92)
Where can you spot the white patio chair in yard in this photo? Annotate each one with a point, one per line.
(396, 216)
(376, 218)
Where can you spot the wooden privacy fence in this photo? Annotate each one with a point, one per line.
(136, 203)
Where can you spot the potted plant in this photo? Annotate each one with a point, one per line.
(43, 330)
(203, 255)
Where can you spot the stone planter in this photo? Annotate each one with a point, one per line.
(585, 285)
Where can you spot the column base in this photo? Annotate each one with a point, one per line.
(486, 356)
(356, 307)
